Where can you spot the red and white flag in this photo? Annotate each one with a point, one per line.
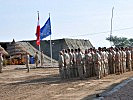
(38, 32)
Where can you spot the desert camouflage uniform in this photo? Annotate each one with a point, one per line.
(128, 60)
(70, 68)
(74, 67)
(117, 63)
(102, 63)
(97, 64)
(61, 66)
(110, 58)
(87, 65)
(106, 63)
(121, 65)
(66, 65)
(79, 59)
(124, 61)
(113, 61)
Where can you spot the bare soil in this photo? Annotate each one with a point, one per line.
(44, 83)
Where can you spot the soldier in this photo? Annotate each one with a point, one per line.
(113, 59)
(70, 69)
(106, 62)
(121, 65)
(92, 65)
(117, 61)
(110, 61)
(123, 59)
(76, 67)
(86, 62)
(1, 62)
(27, 62)
(79, 60)
(74, 72)
(66, 63)
(97, 63)
(42, 58)
(128, 59)
(102, 61)
(36, 59)
(61, 65)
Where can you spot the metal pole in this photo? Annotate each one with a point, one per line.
(111, 26)
(40, 41)
(51, 49)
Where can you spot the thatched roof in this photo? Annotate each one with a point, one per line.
(15, 49)
(2, 50)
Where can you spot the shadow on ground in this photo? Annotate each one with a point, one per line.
(102, 94)
(49, 79)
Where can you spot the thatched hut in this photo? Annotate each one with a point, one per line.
(17, 53)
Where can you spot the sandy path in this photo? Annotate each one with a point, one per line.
(45, 84)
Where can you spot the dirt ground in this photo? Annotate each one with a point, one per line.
(45, 84)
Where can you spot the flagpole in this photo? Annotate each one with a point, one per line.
(111, 26)
(40, 41)
(51, 48)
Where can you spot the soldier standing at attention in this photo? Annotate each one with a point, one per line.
(110, 61)
(113, 59)
(97, 63)
(128, 59)
(70, 69)
(102, 61)
(67, 62)
(36, 59)
(61, 65)
(86, 62)
(121, 65)
(79, 63)
(117, 61)
(106, 62)
(42, 58)
(27, 62)
(76, 65)
(124, 59)
(74, 73)
(1, 62)
(90, 62)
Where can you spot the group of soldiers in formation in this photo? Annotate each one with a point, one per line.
(95, 62)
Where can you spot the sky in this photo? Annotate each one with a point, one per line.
(76, 19)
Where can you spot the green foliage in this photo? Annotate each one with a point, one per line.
(120, 41)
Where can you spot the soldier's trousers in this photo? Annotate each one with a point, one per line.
(80, 71)
(124, 66)
(98, 70)
(106, 68)
(74, 70)
(129, 67)
(117, 67)
(88, 70)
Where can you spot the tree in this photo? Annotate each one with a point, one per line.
(120, 41)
